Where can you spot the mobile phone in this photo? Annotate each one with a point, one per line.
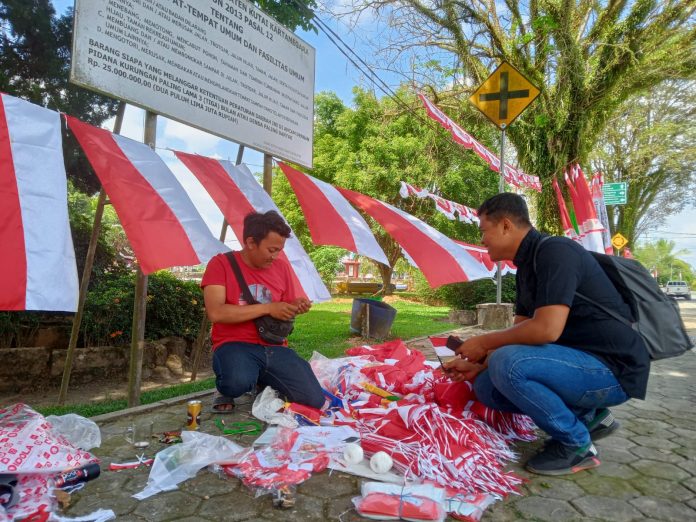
(453, 342)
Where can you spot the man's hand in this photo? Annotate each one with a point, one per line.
(303, 305)
(282, 311)
(462, 370)
(472, 349)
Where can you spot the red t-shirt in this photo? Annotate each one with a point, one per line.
(272, 284)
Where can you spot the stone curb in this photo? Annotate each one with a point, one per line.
(114, 415)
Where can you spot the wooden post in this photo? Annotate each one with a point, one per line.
(137, 347)
(268, 173)
(86, 275)
(204, 330)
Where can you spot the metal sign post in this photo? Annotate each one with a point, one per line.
(502, 98)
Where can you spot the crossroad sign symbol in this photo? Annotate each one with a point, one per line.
(504, 95)
(619, 241)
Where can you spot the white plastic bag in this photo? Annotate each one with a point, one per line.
(183, 461)
(79, 431)
(266, 408)
(417, 502)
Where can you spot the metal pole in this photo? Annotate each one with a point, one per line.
(267, 173)
(205, 324)
(86, 275)
(137, 347)
(501, 188)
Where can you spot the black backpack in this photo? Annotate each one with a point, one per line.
(656, 315)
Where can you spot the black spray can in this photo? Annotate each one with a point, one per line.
(77, 475)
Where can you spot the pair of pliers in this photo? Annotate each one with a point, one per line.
(239, 428)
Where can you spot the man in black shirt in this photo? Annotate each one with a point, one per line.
(564, 361)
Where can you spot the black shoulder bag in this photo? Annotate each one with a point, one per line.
(273, 331)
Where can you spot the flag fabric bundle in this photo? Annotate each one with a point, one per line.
(330, 218)
(601, 210)
(589, 226)
(568, 229)
(162, 224)
(236, 192)
(511, 175)
(440, 259)
(38, 260)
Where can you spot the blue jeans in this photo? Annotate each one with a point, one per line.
(560, 388)
(239, 367)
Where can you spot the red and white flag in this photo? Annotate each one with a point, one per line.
(481, 254)
(568, 230)
(590, 226)
(236, 192)
(440, 259)
(330, 218)
(451, 209)
(601, 209)
(37, 264)
(161, 223)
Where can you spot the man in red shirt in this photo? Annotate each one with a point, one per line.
(241, 358)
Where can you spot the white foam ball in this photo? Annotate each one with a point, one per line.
(353, 453)
(381, 462)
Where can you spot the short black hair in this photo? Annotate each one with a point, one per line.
(507, 205)
(258, 225)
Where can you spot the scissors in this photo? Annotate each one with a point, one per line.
(239, 428)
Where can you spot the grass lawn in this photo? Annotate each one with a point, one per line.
(325, 329)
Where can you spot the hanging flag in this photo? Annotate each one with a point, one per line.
(450, 209)
(481, 254)
(161, 223)
(440, 259)
(37, 265)
(407, 190)
(601, 209)
(568, 229)
(330, 218)
(236, 192)
(511, 175)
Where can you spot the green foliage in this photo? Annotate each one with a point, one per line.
(291, 14)
(465, 296)
(174, 308)
(659, 256)
(327, 260)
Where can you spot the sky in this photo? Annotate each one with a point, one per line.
(333, 73)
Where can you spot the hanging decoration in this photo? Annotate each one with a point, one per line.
(161, 223)
(38, 261)
(511, 175)
(236, 192)
(451, 209)
(330, 218)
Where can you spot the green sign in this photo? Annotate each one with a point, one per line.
(615, 193)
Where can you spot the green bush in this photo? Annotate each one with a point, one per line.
(465, 296)
(327, 259)
(174, 308)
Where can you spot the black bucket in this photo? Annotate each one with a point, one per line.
(376, 316)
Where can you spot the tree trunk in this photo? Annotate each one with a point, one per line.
(386, 272)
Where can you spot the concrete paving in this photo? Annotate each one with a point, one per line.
(648, 470)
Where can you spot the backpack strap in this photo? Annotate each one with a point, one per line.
(611, 313)
(240, 278)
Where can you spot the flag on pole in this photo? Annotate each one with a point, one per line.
(236, 192)
(601, 209)
(37, 265)
(591, 226)
(568, 229)
(441, 260)
(161, 223)
(330, 218)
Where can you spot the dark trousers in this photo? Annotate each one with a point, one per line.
(239, 367)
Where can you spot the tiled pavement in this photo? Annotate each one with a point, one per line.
(648, 472)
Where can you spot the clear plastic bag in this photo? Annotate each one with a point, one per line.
(266, 408)
(79, 431)
(183, 461)
(418, 502)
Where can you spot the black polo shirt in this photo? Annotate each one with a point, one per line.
(563, 268)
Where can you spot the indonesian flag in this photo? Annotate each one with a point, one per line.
(161, 223)
(236, 192)
(407, 190)
(601, 209)
(440, 259)
(37, 264)
(330, 218)
(590, 227)
(481, 254)
(568, 229)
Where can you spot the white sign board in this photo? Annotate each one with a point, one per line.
(222, 66)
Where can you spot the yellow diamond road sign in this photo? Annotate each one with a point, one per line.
(504, 95)
(618, 241)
